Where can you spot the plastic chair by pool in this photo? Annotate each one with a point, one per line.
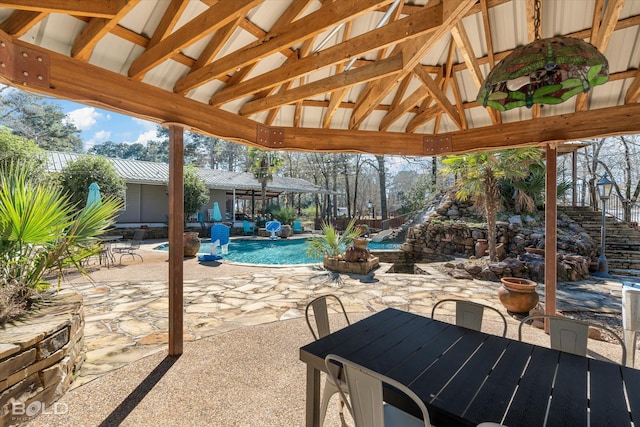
(273, 227)
(297, 227)
(220, 237)
(248, 228)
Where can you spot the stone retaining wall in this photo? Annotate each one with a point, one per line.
(39, 356)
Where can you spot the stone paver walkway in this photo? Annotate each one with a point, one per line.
(127, 320)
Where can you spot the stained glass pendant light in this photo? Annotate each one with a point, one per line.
(546, 71)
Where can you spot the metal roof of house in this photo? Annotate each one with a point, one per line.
(141, 172)
(374, 76)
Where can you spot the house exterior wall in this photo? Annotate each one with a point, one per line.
(147, 203)
(131, 211)
(154, 203)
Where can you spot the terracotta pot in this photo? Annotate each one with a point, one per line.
(190, 243)
(518, 295)
(481, 247)
(360, 243)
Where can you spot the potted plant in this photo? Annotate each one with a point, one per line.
(331, 244)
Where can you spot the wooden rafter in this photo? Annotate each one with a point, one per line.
(602, 38)
(94, 8)
(411, 51)
(351, 48)
(633, 93)
(439, 96)
(217, 16)
(169, 20)
(389, 66)
(327, 17)
(95, 30)
(22, 21)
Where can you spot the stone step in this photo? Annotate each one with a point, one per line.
(624, 272)
(622, 254)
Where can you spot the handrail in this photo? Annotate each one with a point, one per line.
(623, 210)
(617, 207)
(396, 221)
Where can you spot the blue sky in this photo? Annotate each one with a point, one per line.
(98, 126)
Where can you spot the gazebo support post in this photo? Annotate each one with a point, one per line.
(550, 234)
(176, 231)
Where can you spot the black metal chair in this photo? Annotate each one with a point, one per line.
(129, 247)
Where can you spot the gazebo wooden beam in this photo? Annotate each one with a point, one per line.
(176, 231)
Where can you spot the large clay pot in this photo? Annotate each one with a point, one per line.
(481, 247)
(518, 295)
(191, 243)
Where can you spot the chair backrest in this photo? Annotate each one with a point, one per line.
(318, 307)
(221, 233)
(138, 235)
(365, 401)
(469, 314)
(571, 335)
(297, 225)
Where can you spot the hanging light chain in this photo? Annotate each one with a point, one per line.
(536, 19)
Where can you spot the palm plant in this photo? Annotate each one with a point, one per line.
(41, 231)
(331, 242)
(479, 176)
(264, 165)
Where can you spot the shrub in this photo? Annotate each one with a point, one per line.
(41, 232)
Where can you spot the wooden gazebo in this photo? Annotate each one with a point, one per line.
(367, 76)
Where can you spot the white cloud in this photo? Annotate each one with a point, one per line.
(144, 137)
(84, 118)
(97, 138)
(147, 132)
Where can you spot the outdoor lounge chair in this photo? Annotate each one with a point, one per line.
(248, 228)
(297, 227)
(273, 227)
(129, 247)
(571, 335)
(219, 237)
(469, 314)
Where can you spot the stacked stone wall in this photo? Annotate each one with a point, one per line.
(39, 356)
(455, 228)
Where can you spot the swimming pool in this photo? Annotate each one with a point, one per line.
(273, 252)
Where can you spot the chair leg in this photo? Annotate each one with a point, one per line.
(329, 390)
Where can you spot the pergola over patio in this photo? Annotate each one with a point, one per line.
(366, 76)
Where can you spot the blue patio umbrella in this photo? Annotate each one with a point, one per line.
(94, 194)
(217, 216)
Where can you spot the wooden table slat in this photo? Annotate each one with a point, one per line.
(569, 399)
(412, 340)
(464, 386)
(631, 381)
(607, 402)
(532, 396)
(493, 398)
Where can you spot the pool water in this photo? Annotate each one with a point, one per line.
(273, 252)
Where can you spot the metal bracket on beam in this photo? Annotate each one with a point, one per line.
(23, 66)
(271, 137)
(436, 145)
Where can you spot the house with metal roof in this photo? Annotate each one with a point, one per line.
(146, 199)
